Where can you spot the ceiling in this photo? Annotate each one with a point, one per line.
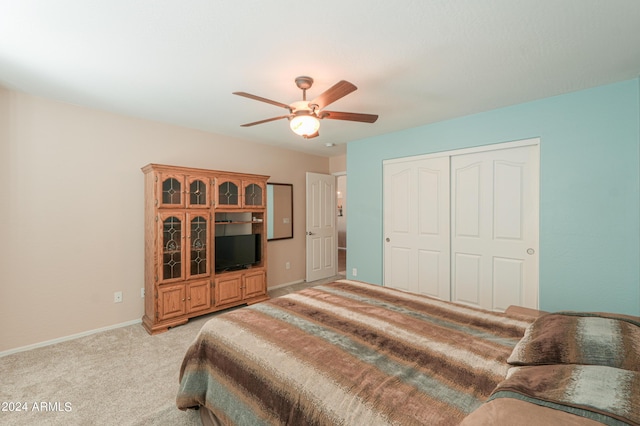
(414, 61)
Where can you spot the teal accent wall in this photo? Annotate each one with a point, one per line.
(589, 191)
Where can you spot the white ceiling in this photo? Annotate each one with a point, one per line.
(414, 62)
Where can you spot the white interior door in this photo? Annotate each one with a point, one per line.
(494, 222)
(416, 226)
(321, 233)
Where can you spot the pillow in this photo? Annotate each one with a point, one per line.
(604, 394)
(580, 338)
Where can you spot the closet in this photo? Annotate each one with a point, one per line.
(463, 225)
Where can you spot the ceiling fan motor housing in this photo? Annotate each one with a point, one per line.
(304, 82)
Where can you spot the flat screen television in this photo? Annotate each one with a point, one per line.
(233, 252)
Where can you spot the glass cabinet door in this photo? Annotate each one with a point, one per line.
(253, 194)
(198, 247)
(228, 193)
(198, 192)
(172, 247)
(171, 190)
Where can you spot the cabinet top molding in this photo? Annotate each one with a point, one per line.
(152, 166)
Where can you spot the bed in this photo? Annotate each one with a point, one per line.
(352, 353)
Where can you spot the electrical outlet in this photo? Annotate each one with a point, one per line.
(142, 292)
(354, 272)
(117, 297)
(287, 265)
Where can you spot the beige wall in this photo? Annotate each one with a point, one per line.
(72, 211)
(338, 164)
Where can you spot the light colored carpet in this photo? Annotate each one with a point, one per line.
(117, 377)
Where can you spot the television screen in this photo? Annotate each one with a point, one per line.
(236, 251)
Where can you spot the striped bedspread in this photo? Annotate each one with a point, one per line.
(348, 353)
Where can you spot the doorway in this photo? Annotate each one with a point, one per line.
(341, 205)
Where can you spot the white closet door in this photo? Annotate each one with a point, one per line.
(494, 228)
(416, 226)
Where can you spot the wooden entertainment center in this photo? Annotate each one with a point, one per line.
(185, 209)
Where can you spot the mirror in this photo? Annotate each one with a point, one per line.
(279, 211)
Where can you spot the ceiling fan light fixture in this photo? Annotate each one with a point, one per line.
(304, 125)
(304, 116)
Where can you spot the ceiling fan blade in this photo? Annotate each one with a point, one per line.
(335, 92)
(261, 99)
(315, 135)
(264, 121)
(349, 116)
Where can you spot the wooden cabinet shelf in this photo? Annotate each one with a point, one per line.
(237, 222)
(185, 208)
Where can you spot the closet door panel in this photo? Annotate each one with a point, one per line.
(400, 227)
(400, 268)
(430, 271)
(495, 211)
(429, 213)
(508, 200)
(508, 282)
(468, 198)
(467, 279)
(416, 226)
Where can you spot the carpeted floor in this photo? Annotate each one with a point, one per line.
(117, 377)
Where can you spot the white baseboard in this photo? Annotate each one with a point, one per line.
(66, 338)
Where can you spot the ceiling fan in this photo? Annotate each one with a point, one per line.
(304, 116)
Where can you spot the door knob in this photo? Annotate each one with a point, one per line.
(530, 251)
(388, 239)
